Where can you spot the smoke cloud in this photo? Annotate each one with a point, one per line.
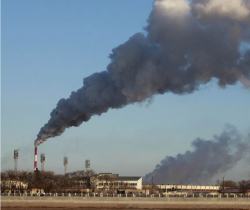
(185, 45)
(208, 158)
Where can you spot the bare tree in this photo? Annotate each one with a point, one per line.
(11, 179)
(228, 184)
(80, 180)
(90, 173)
(244, 186)
(4, 182)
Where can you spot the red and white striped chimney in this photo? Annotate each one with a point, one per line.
(35, 158)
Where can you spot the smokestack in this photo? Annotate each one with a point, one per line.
(35, 160)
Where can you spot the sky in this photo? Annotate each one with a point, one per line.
(48, 47)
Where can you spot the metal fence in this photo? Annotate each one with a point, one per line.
(126, 195)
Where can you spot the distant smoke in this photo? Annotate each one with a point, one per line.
(186, 44)
(209, 158)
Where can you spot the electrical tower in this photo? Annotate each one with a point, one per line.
(42, 159)
(87, 165)
(65, 163)
(15, 160)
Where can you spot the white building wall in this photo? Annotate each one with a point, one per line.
(120, 184)
(139, 184)
(188, 187)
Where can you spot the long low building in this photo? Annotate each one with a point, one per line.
(165, 188)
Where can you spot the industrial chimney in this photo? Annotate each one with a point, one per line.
(42, 159)
(15, 160)
(65, 163)
(35, 160)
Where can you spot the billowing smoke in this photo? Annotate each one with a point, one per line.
(208, 158)
(185, 45)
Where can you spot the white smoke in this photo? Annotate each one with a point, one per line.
(186, 44)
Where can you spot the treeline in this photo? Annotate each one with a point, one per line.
(243, 185)
(50, 182)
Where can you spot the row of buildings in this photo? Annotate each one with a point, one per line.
(107, 182)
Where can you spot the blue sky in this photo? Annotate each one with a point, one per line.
(48, 47)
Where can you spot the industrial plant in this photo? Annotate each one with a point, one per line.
(87, 181)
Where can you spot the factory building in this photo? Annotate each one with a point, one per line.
(114, 181)
(169, 188)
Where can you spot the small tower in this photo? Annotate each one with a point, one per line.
(15, 160)
(42, 159)
(65, 163)
(87, 165)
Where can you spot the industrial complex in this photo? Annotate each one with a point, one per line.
(87, 181)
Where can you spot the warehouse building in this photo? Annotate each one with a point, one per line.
(114, 181)
(168, 188)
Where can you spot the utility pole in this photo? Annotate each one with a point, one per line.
(42, 159)
(87, 165)
(65, 163)
(152, 181)
(223, 186)
(15, 160)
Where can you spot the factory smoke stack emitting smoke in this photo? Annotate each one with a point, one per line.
(185, 45)
(35, 160)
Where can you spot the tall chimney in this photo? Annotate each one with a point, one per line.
(35, 158)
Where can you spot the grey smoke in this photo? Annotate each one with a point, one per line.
(208, 158)
(185, 44)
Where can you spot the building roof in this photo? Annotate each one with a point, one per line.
(108, 174)
(128, 178)
(230, 190)
(120, 178)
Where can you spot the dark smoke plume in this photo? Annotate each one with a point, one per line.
(209, 158)
(186, 44)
